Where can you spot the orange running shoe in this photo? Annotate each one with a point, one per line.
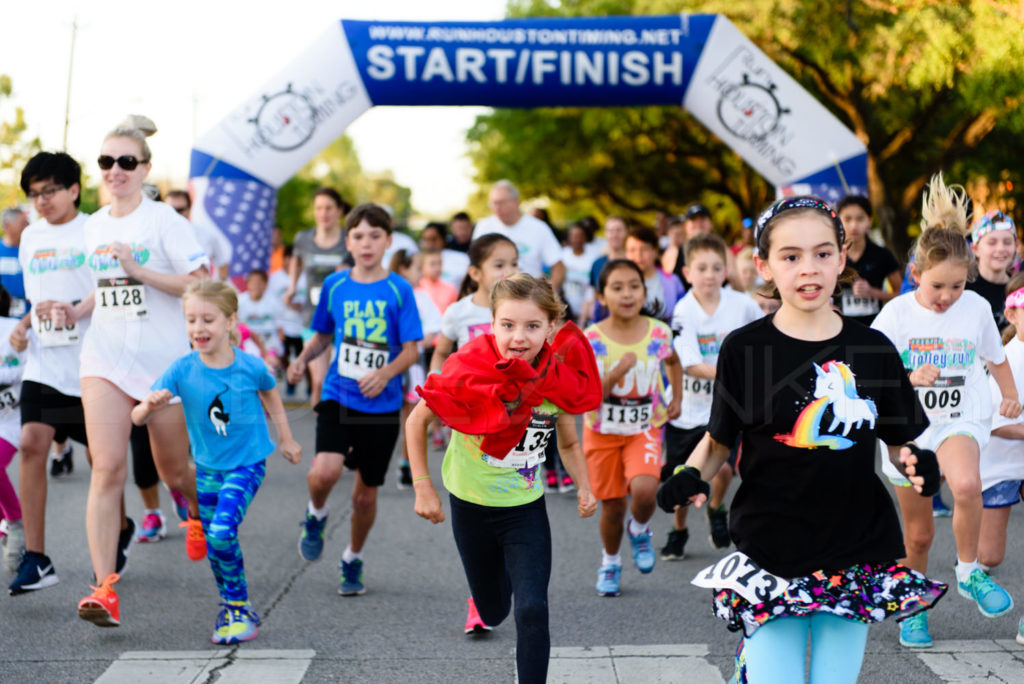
(195, 540)
(102, 607)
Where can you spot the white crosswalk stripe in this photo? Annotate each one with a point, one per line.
(225, 665)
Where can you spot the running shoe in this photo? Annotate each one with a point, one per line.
(180, 505)
(474, 625)
(939, 508)
(674, 549)
(914, 631)
(101, 607)
(992, 599)
(125, 540)
(352, 578)
(404, 477)
(608, 580)
(154, 527)
(566, 485)
(34, 572)
(68, 461)
(643, 552)
(56, 466)
(235, 623)
(311, 541)
(719, 521)
(1020, 631)
(14, 544)
(551, 481)
(195, 540)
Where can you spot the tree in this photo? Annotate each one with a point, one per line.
(927, 86)
(14, 149)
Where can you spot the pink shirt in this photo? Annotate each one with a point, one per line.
(441, 293)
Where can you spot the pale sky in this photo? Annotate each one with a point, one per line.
(188, 65)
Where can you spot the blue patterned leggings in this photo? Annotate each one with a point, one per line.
(224, 496)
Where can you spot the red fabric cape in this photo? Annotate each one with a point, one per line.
(478, 392)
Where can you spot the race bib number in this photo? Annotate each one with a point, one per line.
(530, 450)
(698, 391)
(858, 306)
(622, 416)
(740, 573)
(9, 402)
(50, 335)
(942, 399)
(120, 299)
(357, 358)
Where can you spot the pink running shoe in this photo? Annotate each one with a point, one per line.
(474, 625)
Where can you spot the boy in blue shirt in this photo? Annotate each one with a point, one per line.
(370, 316)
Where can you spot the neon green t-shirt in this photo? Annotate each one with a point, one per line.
(473, 476)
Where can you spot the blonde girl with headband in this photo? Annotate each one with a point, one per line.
(994, 242)
(224, 393)
(141, 255)
(946, 336)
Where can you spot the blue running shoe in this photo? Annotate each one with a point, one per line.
(992, 599)
(643, 552)
(235, 623)
(608, 580)
(311, 541)
(35, 571)
(352, 578)
(914, 631)
(939, 508)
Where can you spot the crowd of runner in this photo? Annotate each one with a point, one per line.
(792, 360)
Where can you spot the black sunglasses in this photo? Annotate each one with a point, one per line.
(127, 162)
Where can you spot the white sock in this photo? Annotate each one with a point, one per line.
(964, 569)
(351, 555)
(636, 529)
(984, 568)
(608, 559)
(13, 525)
(318, 513)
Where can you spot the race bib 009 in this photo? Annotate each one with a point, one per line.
(530, 450)
(120, 299)
(741, 574)
(623, 416)
(357, 358)
(943, 398)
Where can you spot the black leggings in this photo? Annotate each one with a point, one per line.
(142, 458)
(506, 552)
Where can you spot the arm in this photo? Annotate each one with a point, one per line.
(428, 503)
(150, 405)
(557, 275)
(373, 383)
(271, 400)
(707, 457)
(1001, 373)
(575, 463)
(173, 284)
(615, 375)
(702, 370)
(294, 269)
(19, 335)
(906, 463)
(675, 381)
(1009, 432)
(441, 352)
(314, 348)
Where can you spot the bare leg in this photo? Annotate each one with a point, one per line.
(35, 447)
(643, 489)
(323, 475)
(613, 516)
(168, 438)
(364, 512)
(918, 527)
(992, 543)
(720, 485)
(317, 372)
(958, 458)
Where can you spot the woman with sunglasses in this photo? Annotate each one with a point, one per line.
(142, 255)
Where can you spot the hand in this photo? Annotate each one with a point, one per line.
(682, 489)
(288, 295)
(922, 469)
(924, 376)
(296, 369)
(373, 383)
(586, 504)
(19, 338)
(861, 288)
(157, 399)
(1009, 408)
(428, 504)
(42, 309)
(675, 407)
(624, 365)
(291, 450)
(123, 252)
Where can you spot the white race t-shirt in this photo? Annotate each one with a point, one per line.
(536, 243)
(698, 338)
(465, 320)
(956, 342)
(454, 265)
(12, 364)
(289, 319)
(137, 330)
(576, 285)
(430, 317)
(262, 318)
(1003, 459)
(53, 261)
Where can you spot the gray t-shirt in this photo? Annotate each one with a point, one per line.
(317, 264)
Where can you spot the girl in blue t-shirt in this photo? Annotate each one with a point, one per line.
(224, 393)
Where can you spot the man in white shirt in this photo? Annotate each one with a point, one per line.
(533, 238)
(217, 247)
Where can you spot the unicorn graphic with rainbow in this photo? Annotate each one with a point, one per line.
(835, 387)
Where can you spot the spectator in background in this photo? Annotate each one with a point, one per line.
(14, 222)
(461, 228)
(276, 250)
(663, 289)
(290, 321)
(615, 235)
(578, 260)
(673, 259)
(746, 237)
(454, 263)
(217, 247)
(441, 293)
(661, 220)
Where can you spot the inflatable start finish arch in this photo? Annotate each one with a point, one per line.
(700, 62)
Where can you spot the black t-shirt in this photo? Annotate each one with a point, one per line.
(874, 266)
(809, 498)
(995, 294)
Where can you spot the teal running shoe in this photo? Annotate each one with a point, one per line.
(643, 551)
(608, 580)
(914, 631)
(992, 599)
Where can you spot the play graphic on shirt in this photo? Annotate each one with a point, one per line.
(217, 416)
(834, 387)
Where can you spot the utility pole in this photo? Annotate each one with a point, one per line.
(67, 98)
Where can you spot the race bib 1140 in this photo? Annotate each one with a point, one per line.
(357, 358)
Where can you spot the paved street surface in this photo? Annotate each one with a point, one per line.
(408, 626)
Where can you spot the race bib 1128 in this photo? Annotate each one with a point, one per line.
(120, 299)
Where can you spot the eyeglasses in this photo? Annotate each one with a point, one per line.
(127, 162)
(46, 193)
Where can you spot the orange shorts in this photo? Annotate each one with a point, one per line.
(614, 460)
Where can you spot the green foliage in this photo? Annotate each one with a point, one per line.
(14, 149)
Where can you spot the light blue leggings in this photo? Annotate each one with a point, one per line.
(777, 651)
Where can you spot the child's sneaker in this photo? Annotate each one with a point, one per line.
(914, 631)
(101, 607)
(180, 505)
(195, 540)
(675, 548)
(311, 541)
(352, 578)
(566, 485)
(125, 541)
(718, 521)
(35, 571)
(404, 477)
(14, 544)
(154, 527)
(939, 508)
(643, 552)
(551, 481)
(235, 623)
(992, 599)
(474, 625)
(608, 580)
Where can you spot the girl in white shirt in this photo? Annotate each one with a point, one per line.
(142, 255)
